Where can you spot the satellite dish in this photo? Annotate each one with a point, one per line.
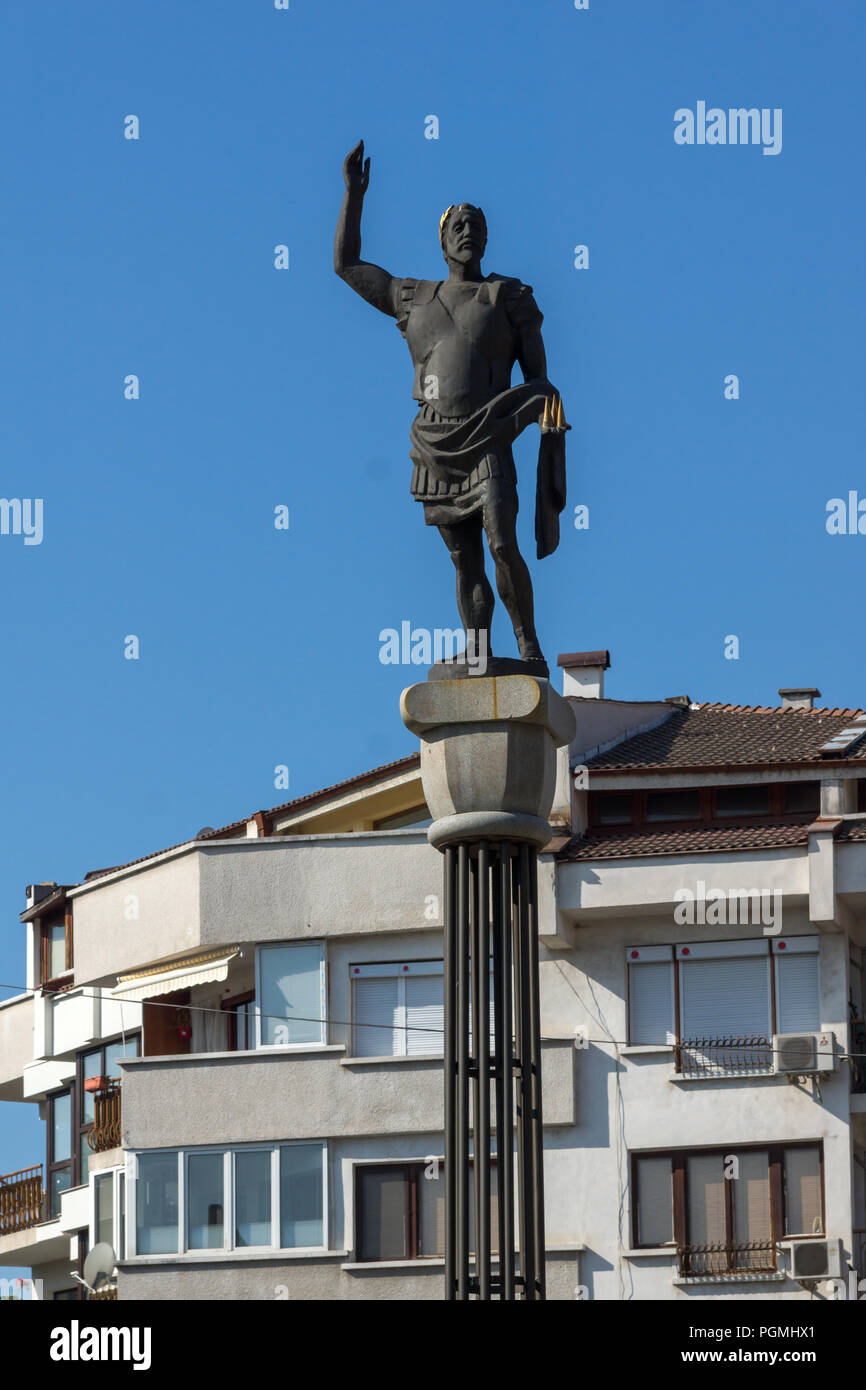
(99, 1266)
(205, 830)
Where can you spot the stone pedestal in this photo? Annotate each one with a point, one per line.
(488, 766)
(488, 755)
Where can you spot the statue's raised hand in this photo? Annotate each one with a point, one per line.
(356, 170)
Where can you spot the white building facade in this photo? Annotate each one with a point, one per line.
(236, 1043)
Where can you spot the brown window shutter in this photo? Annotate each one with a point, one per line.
(69, 941)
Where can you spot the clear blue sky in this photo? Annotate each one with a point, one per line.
(261, 387)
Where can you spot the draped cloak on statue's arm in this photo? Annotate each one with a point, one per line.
(526, 319)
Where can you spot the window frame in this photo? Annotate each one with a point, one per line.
(228, 1153)
(52, 1165)
(117, 1204)
(400, 970)
(679, 1191)
(416, 1167)
(708, 813)
(47, 979)
(323, 996)
(81, 1126)
(794, 944)
(230, 1007)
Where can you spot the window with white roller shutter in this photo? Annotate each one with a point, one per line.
(798, 1007)
(725, 998)
(650, 995)
(398, 1009)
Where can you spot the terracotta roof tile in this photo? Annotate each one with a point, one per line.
(710, 736)
(641, 841)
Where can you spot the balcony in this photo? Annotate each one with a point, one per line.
(748, 1056)
(720, 1260)
(105, 1133)
(22, 1200)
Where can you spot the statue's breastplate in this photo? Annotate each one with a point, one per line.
(463, 350)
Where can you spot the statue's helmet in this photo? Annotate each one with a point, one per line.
(448, 214)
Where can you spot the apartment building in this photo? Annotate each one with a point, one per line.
(235, 1043)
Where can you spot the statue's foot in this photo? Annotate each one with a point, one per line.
(529, 649)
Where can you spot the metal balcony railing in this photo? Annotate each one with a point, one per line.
(747, 1056)
(22, 1200)
(105, 1133)
(719, 1258)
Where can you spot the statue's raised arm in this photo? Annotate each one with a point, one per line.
(370, 281)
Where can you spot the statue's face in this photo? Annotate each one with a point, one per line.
(465, 235)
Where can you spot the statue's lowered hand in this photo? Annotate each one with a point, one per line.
(356, 170)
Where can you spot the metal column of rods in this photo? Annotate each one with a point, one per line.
(494, 1239)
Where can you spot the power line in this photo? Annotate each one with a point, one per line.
(693, 1045)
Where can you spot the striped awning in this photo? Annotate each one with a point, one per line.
(175, 974)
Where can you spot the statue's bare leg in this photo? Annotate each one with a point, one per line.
(512, 575)
(474, 594)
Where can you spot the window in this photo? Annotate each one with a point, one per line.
(800, 797)
(253, 1197)
(720, 1002)
(743, 801)
(107, 1215)
(98, 1061)
(266, 1196)
(398, 1008)
(416, 819)
(612, 808)
(241, 1020)
(55, 948)
(726, 1210)
(60, 1153)
(291, 990)
(676, 805)
(651, 995)
(706, 804)
(156, 1189)
(205, 1202)
(400, 1211)
(301, 1199)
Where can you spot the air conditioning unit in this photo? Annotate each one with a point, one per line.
(816, 1259)
(800, 1054)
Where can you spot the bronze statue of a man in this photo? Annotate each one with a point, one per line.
(465, 334)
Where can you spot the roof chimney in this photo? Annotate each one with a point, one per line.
(35, 892)
(583, 673)
(799, 697)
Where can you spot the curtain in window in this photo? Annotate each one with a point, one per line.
(707, 1224)
(655, 1201)
(751, 1190)
(803, 1192)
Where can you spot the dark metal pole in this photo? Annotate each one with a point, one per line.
(474, 1024)
(527, 1203)
(537, 1144)
(505, 1139)
(482, 1080)
(450, 1076)
(462, 1145)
